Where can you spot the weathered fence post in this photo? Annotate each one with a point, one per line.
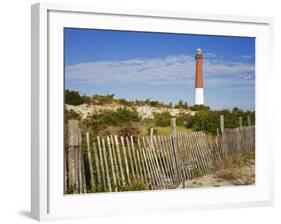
(249, 120)
(218, 132)
(73, 134)
(240, 122)
(79, 162)
(174, 131)
(151, 138)
(222, 123)
(65, 174)
(222, 139)
(84, 184)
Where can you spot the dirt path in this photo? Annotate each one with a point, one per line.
(226, 177)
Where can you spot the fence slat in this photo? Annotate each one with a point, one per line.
(144, 169)
(125, 160)
(120, 160)
(196, 163)
(112, 163)
(202, 150)
(136, 160)
(114, 152)
(156, 164)
(99, 181)
(131, 162)
(101, 163)
(168, 158)
(84, 184)
(163, 159)
(90, 162)
(169, 147)
(160, 169)
(147, 164)
(152, 163)
(208, 150)
(185, 161)
(80, 180)
(199, 154)
(106, 165)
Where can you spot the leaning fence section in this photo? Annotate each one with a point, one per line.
(235, 141)
(120, 163)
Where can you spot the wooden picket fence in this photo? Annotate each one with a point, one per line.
(114, 163)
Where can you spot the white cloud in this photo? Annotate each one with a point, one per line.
(209, 55)
(179, 69)
(246, 56)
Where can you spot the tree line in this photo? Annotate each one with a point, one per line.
(74, 98)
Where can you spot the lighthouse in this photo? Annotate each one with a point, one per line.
(199, 89)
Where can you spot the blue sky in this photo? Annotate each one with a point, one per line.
(139, 65)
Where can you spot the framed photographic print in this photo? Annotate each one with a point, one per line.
(148, 111)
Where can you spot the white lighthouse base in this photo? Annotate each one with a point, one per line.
(199, 96)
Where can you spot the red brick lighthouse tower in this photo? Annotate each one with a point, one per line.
(199, 90)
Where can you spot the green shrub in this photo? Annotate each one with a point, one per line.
(96, 127)
(199, 108)
(129, 130)
(181, 105)
(117, 118)
(204, 121)
(155, 103)
(71, 114)
(210, 120)
(86, 99)
(163, 119)
(125, 102)
(182, 120)
(102, 99)
(72, 97)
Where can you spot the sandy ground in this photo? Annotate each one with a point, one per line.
(226, 177)
(144, 111)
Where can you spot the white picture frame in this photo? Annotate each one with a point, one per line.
(48, 201)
